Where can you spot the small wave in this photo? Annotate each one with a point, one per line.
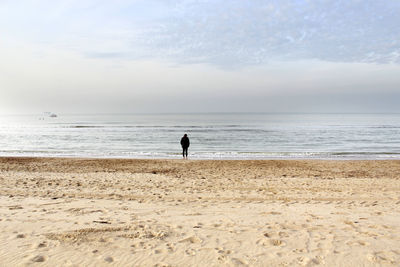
(204, 155)
(364, 153)
(384, 127)
(85, 126)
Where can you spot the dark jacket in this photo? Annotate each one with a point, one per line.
(185, 143)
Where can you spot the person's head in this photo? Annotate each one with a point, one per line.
(185, 135)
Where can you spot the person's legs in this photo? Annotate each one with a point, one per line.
(185, 152)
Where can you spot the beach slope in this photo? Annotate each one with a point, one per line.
(129, 212)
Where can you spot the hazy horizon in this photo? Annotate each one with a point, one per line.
(44, 113)
(188, 56)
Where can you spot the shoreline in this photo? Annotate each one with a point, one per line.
(178, 158)
(174, 212)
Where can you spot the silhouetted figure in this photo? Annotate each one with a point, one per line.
(185, 143)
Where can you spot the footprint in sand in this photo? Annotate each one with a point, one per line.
(371, 258)
(362, 243)
(192, 240)
(171, 247)
(277, 243)
(283, 234)
(303, 261)
(42, 245)
(271, 242)
(159, 251)
(109, 259)
(15, 207)
(39, 258)
(318, 260)
(239, 262)
(190, 252)
(222, 251)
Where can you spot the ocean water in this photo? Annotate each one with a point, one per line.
(212, 136)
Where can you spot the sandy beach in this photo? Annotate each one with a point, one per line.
(115, 212)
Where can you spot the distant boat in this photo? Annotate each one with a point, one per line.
(51, 115)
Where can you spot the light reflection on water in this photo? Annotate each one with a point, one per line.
(236, 136)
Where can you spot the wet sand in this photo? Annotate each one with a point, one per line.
(105, 212)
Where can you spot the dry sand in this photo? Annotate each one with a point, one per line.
(83, 212)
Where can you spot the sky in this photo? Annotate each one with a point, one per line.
(180, 56)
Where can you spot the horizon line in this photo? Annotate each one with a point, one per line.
(202, 113)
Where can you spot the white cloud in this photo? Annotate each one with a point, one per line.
(141, 56)
(225, 33)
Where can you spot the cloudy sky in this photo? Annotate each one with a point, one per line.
(199, 55)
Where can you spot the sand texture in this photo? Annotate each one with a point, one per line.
(113, 212)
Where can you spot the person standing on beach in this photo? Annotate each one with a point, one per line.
(185, 143)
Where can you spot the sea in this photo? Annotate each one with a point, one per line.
(212, 136)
